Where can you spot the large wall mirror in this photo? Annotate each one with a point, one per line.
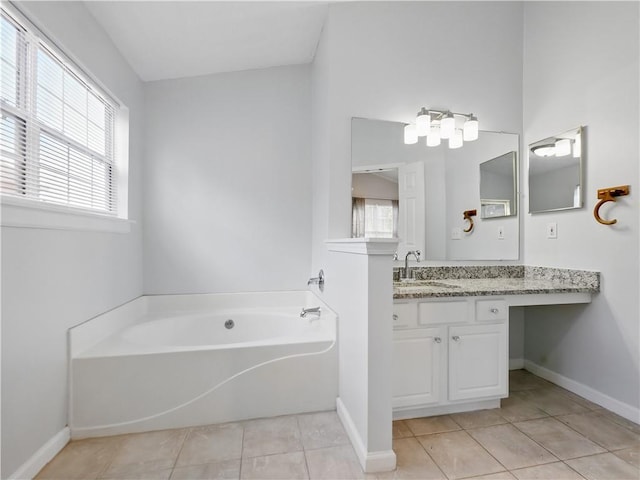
(419, 193)
(555, 172)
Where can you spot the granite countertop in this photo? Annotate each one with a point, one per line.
(477, 281)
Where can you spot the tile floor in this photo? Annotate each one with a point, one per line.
(540, 432)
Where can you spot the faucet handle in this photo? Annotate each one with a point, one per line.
(395, 255)
(418, 255)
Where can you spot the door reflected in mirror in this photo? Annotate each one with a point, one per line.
(498, 186)
(555, 172)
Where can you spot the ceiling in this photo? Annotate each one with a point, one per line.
(174, 39)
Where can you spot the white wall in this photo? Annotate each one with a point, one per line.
(54, 279)
(592, 50)
(228, 182)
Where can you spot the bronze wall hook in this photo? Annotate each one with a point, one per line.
(608, 195)
(467, 214)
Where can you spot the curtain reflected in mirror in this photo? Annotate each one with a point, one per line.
(375, 205)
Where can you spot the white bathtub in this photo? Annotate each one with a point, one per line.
(169, 361)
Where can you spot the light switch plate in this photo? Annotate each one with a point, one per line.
(456, 233)
(552, 230)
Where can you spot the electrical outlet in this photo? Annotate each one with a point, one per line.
(500, 233)
(456, 233)
(552, 230)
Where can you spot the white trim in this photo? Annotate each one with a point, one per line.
(371, 462)
(44, 455)
(363, 246)
(516, 363)
(623, 409)
(529, 299)
(23, 213)
(415, 412)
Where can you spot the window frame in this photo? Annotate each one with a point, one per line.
(25, 212)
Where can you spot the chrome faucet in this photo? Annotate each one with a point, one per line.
(314, 310)
(319, 280)
(415, 253)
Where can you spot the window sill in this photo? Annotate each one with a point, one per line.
(19, 213)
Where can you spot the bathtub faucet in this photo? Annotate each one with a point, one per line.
(304, 311)
(319, 280)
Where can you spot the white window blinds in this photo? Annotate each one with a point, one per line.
(57, 129)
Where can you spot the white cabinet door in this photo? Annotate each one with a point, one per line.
(477, 361)
(417, 361)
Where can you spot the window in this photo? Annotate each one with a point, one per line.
(57, 127)
(378, 218)
(374, 218)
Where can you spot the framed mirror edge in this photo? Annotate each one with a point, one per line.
(516, 183)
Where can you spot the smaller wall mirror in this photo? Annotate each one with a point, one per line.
(555, 172)
(498, 188)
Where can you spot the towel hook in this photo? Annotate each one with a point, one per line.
(608, 195)
(467, 214)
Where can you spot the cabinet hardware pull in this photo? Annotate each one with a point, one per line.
(494, 310)
(455, 338)
(395, 317)
(437, 339)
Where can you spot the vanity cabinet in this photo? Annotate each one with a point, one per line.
(417, 365)
(447, 354)
(478, 366)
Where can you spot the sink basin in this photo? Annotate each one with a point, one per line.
(410, 282)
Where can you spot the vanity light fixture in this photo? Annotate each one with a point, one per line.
(423, 122)
(563, 147)
(470, 129)
(439, 124)
(433, 137)
(447, 125)
(548, 150)
(410, 134)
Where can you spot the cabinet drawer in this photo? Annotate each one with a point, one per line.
(443, 312)
(491, 310)
(405, 315)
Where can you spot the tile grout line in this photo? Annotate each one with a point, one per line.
(241, 451)
(304, 450)
(573, 430)
(432, 459)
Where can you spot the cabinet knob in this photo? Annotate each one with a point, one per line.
(494, 310)
(437, 339)
(455, 338)
(395, 317)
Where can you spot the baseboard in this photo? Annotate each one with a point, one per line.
(623, 409)
(406, 413)
(31, 467)
(370, 462)
(516, 363)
